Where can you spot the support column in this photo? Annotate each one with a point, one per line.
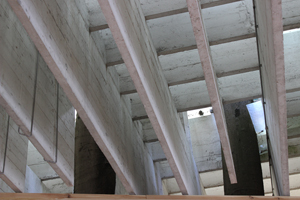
(93, 173)
(243, 141)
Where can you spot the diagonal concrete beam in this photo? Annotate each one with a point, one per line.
(169, 13)
(28, 94)
(79, 68)
(129, 29)
(268, 16)
(211, 83)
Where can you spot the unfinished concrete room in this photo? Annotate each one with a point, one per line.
(150, 99)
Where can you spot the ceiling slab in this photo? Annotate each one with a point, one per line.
(271, 53)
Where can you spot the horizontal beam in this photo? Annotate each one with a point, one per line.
(267, 182)
(201, 106)
(209, 105)
(14, 147)
(211, 83)
(170, 13)
(19, 61)
(206, 145)
(211, 43)
(223, 41)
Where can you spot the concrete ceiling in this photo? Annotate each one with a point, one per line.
(230, 29)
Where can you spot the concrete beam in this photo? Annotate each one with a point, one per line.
(211, 83)
(236, 88)
(37, 164)
(71, 53)
(4, 188)
(208, 154)
(271, 54)
(200, 78)
(131, 34)
(169, 13)
(183, 67)
(206, 145)
(214, 179)
(13, 154)
(19, 61)
(130, 197)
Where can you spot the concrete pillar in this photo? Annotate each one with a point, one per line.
(93, 173)
(245, 152)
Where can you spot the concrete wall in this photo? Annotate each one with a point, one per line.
(19, 60)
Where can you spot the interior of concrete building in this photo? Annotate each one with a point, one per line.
(170, 97)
